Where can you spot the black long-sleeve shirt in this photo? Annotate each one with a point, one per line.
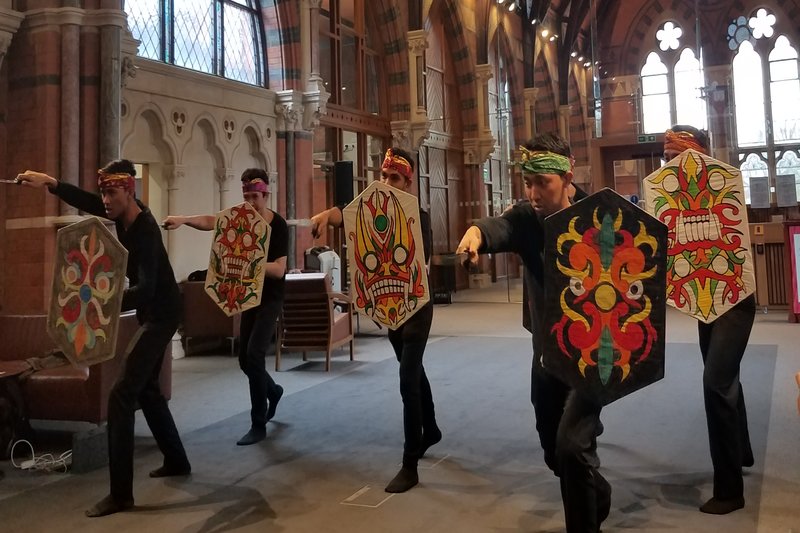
(521, 230)
(152, 290)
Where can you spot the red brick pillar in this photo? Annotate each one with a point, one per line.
(50, 101)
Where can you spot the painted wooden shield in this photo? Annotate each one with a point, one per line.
(238, 254)
(709, 264)
(385, 254)
(88, 284)
(605, 282)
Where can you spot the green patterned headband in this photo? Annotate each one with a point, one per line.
(543, 162)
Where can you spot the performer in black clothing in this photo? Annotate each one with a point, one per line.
(156, 298)
(408, 341)
(722, 345)
(258, 324)
(567, 422)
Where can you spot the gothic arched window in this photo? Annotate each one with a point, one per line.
(671, 84)
(220, 37)
(766, 89)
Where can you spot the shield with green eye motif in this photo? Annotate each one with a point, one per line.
(385, 252)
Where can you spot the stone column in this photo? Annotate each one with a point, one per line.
(110, 92)
(529, 95)
(718, 101)
(289, 111)
(483, 73)
(564, 112)
(311, 50)
(70, 109)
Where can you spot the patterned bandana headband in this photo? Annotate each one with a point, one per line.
(543, 162)
(398, 164)
(678, 141)
(255, 185)
(120, 180)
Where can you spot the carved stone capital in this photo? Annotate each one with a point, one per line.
(417, 42)
(9, 24)
(478, 149)
(484, 73)
(289, 110)
(530, 94)
(224, 177)
(173, 174)
(315, 105)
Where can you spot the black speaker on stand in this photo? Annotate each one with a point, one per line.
(343, 195)
(343, 182)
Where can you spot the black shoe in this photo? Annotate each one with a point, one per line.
(405, 479)
(252, 436)
(429, 439)
(273, 402)
(168, 471)
(717, 506)
(109, 505)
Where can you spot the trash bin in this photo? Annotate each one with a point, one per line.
(443, 277)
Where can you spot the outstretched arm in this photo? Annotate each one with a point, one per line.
(329, 217)
(201, 222)
(76, 197)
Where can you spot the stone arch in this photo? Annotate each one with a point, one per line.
(281, 27)
(252, 142)
(156, 123)
(546, 109)
(389, 21)
(579, 145)
(501, 40)
(206, 124)
(462, 60)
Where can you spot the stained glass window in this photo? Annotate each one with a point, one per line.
(220, 37)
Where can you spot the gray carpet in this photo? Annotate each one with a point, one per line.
(332, 439)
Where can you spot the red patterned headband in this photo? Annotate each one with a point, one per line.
(255, 185)
(678, 141)
(120, 180)
(398, 164)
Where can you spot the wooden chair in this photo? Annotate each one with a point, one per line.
(309, 321)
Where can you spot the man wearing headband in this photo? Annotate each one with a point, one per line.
(156, 298)
(722, 346)
(567, 423)
(258, 324)
(409, 340)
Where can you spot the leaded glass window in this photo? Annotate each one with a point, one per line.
(672, 84)
(220, 37)
(766, 89)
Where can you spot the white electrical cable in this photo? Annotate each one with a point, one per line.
(46, 462)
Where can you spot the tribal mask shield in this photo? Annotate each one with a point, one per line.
(604, 291)
(709, 265)
(88, 284)
(236, 268)
(388, 273)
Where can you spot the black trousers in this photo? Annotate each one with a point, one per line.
(139, 383)
(409, 342)
(255, 333)
(548, 396)
(722, 344)
(585, 493)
